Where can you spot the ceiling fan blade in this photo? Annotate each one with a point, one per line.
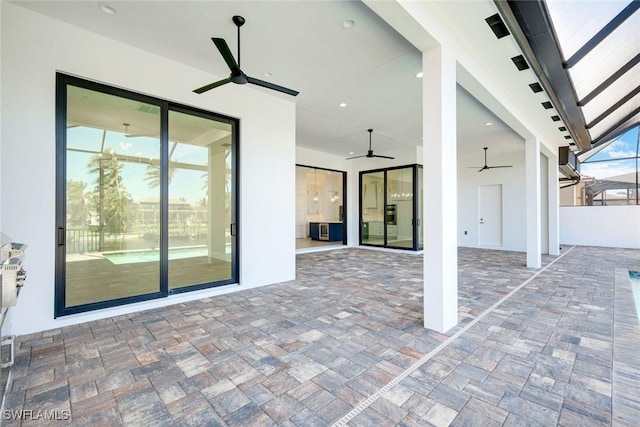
(356, 157)
(272, 86)
(495, 167)
(223, 47)
(383, 157)
(212, 85)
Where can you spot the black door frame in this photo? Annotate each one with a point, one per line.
(344, 196)
(62, 82)
(415, 221)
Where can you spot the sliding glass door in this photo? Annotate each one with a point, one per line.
(200, 196)
(391, 207)
(145, 200)
(372, 203)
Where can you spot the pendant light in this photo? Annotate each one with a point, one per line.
(315, 185)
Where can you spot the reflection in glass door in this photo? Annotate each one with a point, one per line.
(399, 218)
(112, 216)
(372, 210)
(145, 198)
(200, 241)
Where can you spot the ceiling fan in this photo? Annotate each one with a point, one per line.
(370, 152)
(237, 76)
(485, 167)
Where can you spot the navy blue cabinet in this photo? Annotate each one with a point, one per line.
(314, 231)
(327, 231)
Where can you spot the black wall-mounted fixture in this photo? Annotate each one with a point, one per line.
(520, 62)
(535, 87)
(497, 26)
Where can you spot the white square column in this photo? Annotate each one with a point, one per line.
(532, 168)
(440, 190)
(554, 205)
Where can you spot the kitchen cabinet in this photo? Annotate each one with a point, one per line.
(376, 228)
(334, 231)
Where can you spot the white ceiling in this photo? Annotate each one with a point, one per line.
(303, 44)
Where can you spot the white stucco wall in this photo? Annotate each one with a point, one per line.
(514, 230)
(609, 226)
(34, 47)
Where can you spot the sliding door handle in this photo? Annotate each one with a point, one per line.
(61, 236)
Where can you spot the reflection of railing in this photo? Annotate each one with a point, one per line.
(82, 240)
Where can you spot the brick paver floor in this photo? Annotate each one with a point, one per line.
(344, 344)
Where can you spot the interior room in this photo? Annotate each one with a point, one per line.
(320, 202)
(355, 222)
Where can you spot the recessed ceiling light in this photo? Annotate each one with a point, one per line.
(351, 152)
(419, 75)
(348, 23)
(489, 124)
(343, 104)
(268, 74)
(107, 9)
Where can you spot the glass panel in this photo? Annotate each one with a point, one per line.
(372, 192)
(610, 121)
(607, 57)
(575, 23)
(624, 146)
(610, 183)
(200, 244)
(399, 210)
(612, 94)
(420, 196)
(112, 215)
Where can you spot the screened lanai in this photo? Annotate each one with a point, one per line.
(586, 55)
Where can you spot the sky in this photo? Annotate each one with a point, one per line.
(625, 146)
(185, 183)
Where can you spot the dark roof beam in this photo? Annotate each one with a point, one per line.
(605, 135)
(605, 84)
(530, 24)
(614, 107)
(603, 33)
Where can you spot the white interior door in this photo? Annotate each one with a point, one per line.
(490, 215)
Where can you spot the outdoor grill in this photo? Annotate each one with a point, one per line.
(12, 274)
(12, 277)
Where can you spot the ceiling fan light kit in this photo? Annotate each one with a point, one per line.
(370, 152)
(237, 76)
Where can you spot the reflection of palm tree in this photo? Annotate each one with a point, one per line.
(153, 175)
(110, 195)
(76, 203)
(153, 171)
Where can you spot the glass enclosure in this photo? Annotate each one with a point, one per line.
(390, 207)
(609, 176)
(139, 218)
(320, 207)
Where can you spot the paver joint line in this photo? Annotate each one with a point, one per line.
(378, 394)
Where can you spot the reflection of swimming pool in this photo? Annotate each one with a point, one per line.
(635, 286)
(130, 257)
